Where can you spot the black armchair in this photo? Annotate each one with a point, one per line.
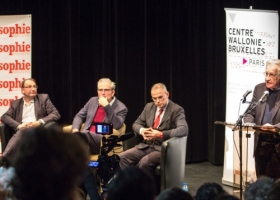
(171, 170)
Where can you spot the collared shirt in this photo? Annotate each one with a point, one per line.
(28, 112)
(157, 112)
(162, 114)
(113, 100)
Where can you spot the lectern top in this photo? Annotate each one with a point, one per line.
(250, 127)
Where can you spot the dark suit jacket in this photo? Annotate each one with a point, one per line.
(173, 123)
(115, 114)
(256, 116)
(44, 109)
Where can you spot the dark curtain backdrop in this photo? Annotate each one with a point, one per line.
(136, 43)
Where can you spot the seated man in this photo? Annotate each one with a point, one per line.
(104, 108)
(31, 110)
(158, 122)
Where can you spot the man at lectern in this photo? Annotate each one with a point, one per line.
(267, 114)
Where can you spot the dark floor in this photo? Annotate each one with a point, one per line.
(198, 173)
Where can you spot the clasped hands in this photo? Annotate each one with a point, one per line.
(150, 133)
(29, 125)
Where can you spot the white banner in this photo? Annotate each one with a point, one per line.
(252, 39)
(15, 57)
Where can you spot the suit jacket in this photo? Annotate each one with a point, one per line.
(44, 109)
(115, 114)
(173, 123)
(256, 116)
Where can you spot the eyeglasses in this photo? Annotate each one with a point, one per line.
(104, 90)
(157, 98)
(269, 75)
(31, 86)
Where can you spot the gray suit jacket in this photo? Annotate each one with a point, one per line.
(256, 116)
(115, 114)
(173, 123)
(44, 109)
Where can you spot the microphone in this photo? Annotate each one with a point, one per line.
(263, 96)
(245, 95)
(126, 136)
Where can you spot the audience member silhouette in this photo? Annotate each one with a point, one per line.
(48, 165)
(131, 183)
(263, 188)
(209, 191)
(275, 190)
(226, 196)
(174, 193)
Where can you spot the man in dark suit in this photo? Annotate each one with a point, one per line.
(267, 114)
(104, 108)
(159, 121)
(32, 110)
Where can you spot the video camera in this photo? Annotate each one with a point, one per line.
(107, 165)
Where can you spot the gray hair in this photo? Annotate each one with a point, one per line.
(107, 80)
(275, 62)
(159, 85)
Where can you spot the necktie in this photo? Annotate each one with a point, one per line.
(157, 120)
(99, 117)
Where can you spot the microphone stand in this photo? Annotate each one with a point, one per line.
(251, 106)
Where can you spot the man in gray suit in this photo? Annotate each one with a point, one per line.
(159, 121)
(31, 110)
(267, 114)
(104, 108)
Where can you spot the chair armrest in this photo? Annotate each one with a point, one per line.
(130, 143)
(120, 131)
(67, 129)
(172, 163)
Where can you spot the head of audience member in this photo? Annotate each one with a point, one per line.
(29, 88)
(226, 196)
(272, 74)
(159, 95)
(106, 88)
(263, 188)
(275, 191)
(174, 193)
(48, 165)
(209, 191)
(131, 183)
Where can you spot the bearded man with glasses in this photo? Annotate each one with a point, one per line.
(32, 110)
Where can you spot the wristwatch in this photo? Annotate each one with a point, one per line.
(41, 122)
